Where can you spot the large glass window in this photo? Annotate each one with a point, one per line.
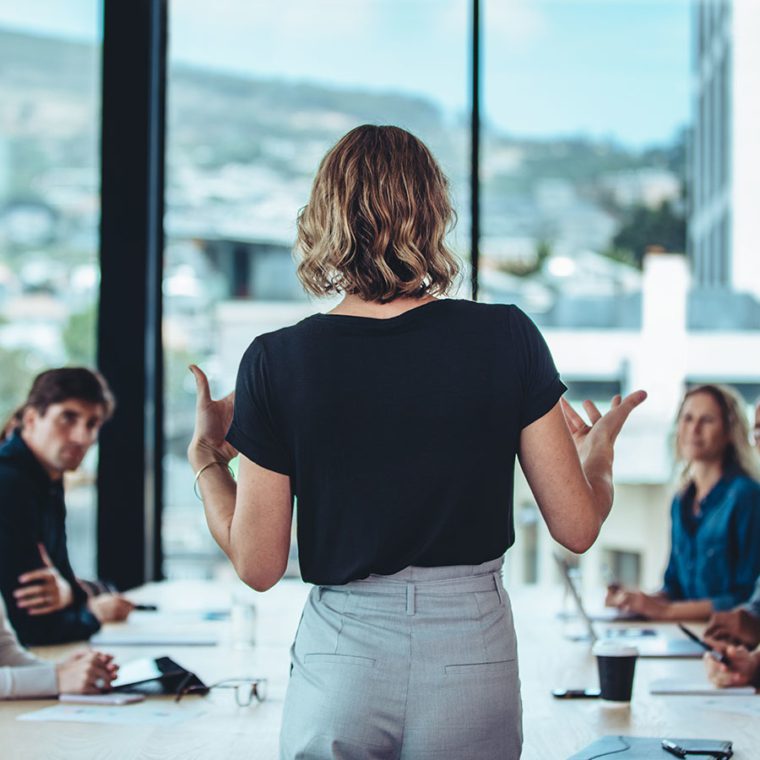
(597, 120)
(584, 167)
(49, 213)
(257, 93)
(593, 167)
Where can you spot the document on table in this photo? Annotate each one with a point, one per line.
(697, 687)
(145, 713)
(129, 637)
(157, 629)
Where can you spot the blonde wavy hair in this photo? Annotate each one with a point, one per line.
(377, 219)
(739, 453)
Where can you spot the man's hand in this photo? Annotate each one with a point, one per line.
(647, 605)
(736, 627)
(613, 592)
(48, 591)
(110, 608)
(86, 672)
(743, 667)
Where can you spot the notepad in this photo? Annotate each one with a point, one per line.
(111, 698)
(698, 688)
(144, 713)
(128, 637)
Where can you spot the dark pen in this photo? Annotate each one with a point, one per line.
(714, 653)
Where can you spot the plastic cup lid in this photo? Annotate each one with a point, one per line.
(614, 649)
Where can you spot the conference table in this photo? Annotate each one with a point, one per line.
(214, 726)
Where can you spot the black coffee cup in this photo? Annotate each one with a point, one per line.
(617, 663)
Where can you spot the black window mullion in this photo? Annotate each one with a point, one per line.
(475, 64)
(131, 260)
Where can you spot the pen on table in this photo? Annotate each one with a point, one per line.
(145, 607)
(714, 653)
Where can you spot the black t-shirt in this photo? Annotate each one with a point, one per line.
(399, 435)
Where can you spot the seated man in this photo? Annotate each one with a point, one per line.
(49, 435)
(738, 626)
(22, 675)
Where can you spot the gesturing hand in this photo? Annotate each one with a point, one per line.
(212, 421)
(604, 428)
(48, 591)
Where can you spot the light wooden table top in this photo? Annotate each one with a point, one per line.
(553, 729)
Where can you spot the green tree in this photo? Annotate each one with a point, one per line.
(643, 227)
(542, 252)
(79, 337)
(15, 379)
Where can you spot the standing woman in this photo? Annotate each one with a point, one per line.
(395, 419)
(715, 516)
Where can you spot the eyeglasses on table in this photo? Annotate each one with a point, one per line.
(246, 689)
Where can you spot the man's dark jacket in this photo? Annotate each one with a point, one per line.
(32, 510)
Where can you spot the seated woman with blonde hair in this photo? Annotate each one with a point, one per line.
(22, 675)
(715, 533)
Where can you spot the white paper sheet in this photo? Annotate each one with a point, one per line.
(736, 705)
(149, 713)
(135, 637)
(697, 687)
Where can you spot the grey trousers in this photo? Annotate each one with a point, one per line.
(419, 664)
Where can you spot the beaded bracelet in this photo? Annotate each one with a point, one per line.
(203, 469)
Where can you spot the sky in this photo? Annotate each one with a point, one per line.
(607, 68)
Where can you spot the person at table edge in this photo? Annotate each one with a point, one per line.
(715, 551)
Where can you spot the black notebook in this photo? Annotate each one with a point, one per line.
(647, 748)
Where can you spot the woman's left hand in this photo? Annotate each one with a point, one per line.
(212, 421)
(651, 607)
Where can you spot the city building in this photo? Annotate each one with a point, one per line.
(725, 154)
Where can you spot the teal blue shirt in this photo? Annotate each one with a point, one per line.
(715, 555)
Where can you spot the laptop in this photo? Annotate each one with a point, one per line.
(649, 646)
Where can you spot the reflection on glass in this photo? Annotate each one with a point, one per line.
(256, 97)
(49, 214)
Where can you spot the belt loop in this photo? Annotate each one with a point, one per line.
(499, 587)
(319, 593)
(410, 610)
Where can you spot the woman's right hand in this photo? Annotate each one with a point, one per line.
(86, 672)
(212, 421)
(743, 668)
(601, 434)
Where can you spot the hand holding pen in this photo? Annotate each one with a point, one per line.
(739, 667)
(717, 653)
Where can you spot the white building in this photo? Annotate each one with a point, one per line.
(724, 226)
